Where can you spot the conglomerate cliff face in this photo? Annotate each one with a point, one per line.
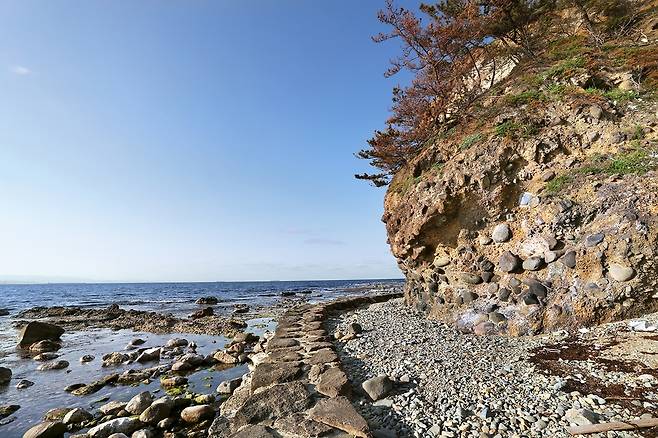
(544, 217)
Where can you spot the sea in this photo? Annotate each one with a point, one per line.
(176, 298)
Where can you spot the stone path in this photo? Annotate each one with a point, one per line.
(297, 387)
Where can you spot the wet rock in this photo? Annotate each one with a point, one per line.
(74, 386)
(7, 410)
(197, 414)
(125, 425)
(501, 233)
(5, 375)
(173, 381)
(42, 357)
(508, 262)
(45, 346)
(157, 411)
(56, 414)
(112, 408)
(620, 272)
(209, 300)
(202, 313)
(377, 387)
(115, 358)
(4, 312)
(338, 412)
(24, 384)
(240, 308)
(333, 382)
(87, 358)
(176, 342)
(36, 331)
(56, 365)
(150, 355)
(77, 416)
(245, 337)
(228, 386)
(47, 429)
(224, 357)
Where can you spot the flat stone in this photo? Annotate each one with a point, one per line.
(47, 429)
(77, 416)
(283, 355)
(266, 374)
(377, 387)
(253, 431)
(322, 357)
(581, 417)
(620, 272)
(333, 382)
(338, 412)
(298, 425)
(273, 402)
(56, 365)
(276, 343)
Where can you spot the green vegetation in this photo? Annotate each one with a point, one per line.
(564, 68)
(557, 184)
(524, 97)
(614, 94)
(637, 161)
(470, 140)
(512, 129)
(637, 133)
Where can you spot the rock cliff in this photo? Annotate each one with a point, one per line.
(541, 210)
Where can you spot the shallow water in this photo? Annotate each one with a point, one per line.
(48, 391)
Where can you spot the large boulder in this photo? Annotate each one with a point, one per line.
(197, 414)
(377, 387)
(139, 403)
(47, 429)
(125, 425)
(36, 331)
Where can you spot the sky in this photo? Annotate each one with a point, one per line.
(190, 140)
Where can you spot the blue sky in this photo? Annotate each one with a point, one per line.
(190, 140)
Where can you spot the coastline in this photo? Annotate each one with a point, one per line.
(90, 331)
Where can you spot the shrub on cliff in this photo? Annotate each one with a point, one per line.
(457, 50)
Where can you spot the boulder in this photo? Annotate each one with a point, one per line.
(197, 414)
(224, 357)
(47, 429)
(149, 355)
(266, 374)
(115, 358)
(508, 262)
(112, 408)
(202, 313)
(209, 300)
(87, 358)
(176, 342)
(271, 403)
(36, 331)
(5, 375)
(338, 412)
(56, 365)
(139, 403)
(228, 386)
(24, 384)
(377, 387)
(77, 416)
(7, 410)
(125, 425)
(45, 346)
(158, 411)
(42, 357)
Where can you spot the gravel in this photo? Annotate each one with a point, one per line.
(449, 384)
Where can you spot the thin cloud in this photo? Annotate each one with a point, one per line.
(20, 70)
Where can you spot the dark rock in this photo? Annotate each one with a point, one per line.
(503, 294)
(202, 313)
(5, 375)
(209, 301)
(536, 288)
(530, 299)
(36, 331)
(594, 239)
(273, 402)
(266, 374)
(7, 410)
(45, 346)
(228, 386)
(57, 365)
(469, 297)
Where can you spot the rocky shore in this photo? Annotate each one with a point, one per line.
(431, 380)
